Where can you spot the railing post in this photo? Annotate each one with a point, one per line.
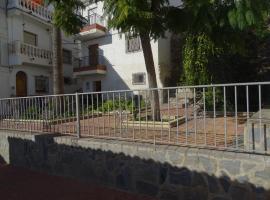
(78, 124)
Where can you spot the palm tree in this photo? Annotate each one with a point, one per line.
(145, 19)
(67, 19)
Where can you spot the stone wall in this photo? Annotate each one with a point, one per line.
(166, 172)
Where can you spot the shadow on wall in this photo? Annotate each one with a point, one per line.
(127, 173)
(111, 80)
(2, 161)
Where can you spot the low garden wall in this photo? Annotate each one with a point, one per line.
(165, 172)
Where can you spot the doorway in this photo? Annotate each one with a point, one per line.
(21, 84)
(97, 86)
(93, 55)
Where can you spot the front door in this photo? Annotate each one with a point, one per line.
(97, 86)
(21, 84)
(93, 55)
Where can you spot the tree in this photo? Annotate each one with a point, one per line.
(145, 19)
(212, 27)
(65, 18)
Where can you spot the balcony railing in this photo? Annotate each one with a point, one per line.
(95, 19)
(26, 50)
(32, 7)
(90, 65)
(232, 117)
(89, 61)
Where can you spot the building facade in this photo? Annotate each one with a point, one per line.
(26, 41)
(96, 59)
(113, 61)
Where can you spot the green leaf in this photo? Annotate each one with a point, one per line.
(250, 18)
(232, 16)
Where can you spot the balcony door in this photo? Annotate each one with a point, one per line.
(21, 84)
(93, 55)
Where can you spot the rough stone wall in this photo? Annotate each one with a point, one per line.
(166, 172)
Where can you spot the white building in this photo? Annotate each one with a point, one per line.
(26, 53)
(110, 61)
(102, 59)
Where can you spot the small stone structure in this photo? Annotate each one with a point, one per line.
(257, 132)
(165, 172)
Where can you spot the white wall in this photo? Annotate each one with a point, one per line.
(164, 58)
(120, 64)
(18, 23)
(4, 72)
(4, 82)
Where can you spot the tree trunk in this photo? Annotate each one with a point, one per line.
(151, 74)
(58, 78)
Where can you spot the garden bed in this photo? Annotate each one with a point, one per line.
(154, 124)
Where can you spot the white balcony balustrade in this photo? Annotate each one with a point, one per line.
(32, 7)
(25, 53)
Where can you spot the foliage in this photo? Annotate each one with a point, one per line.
(65, 15)
(117, 105)
(197, 50)
(137, 16)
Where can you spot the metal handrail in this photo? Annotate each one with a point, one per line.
(219, 116)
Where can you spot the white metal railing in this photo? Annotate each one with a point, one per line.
(225, 116)
(95, 19)
(32, 7)
(29, 50)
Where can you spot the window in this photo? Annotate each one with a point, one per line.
(30, 38)
(87, 86)
(138, 79)
(133, 43)
(67, 56)
(42, 84)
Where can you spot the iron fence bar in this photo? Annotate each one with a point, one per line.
(204, 118)
(127, 111)
(139, 107)
(236, 116)
(147, 97)
(133, 128)
(195, 114)
(92, 112)
(114, 115)
(109, 117)
(120, 112)
(177, 117)
(247, 101)
(225, 116)
(102, 105)
(78, 116)
(83, 114)
(98, 114)
(168, 113)
(186, 116)
(214, 108)
(260, 112)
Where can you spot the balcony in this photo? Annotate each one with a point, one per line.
(21, 53)
(90, 65)
(31, 7)
(94, 28)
